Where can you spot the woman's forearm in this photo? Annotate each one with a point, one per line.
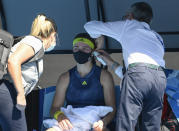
(108, 118)
(52, 111)
(14, 69)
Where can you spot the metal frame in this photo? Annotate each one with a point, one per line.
(109, 51)
(101, 16)
(3, 16)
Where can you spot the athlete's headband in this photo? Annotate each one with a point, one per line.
(85, 41)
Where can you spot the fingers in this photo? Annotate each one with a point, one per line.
(105, 57)
(95, 125)
(69, 124)
(99, 42)
(51, 129)
(98, 126)
(65, 124)
(21, 100)
(102, 52)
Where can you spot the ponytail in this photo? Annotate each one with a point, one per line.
(43, 26)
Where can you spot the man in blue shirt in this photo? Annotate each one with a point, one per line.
(144, 82)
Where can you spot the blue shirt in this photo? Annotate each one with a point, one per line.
(85, 91)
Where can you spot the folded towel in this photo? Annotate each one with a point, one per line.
(82, 119)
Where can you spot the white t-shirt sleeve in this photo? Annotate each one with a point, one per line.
(112, 29)
(32, 41)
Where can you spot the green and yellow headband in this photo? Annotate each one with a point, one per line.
(85, 41)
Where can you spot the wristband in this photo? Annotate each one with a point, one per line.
(57, 113)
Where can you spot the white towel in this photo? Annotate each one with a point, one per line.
(82, 119)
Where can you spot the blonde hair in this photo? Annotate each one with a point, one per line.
(43, 26)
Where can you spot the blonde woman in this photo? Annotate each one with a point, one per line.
(22, 75)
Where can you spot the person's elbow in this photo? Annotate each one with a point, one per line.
(92, 29)
(88, 27)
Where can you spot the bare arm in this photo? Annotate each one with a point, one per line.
(112, 29)
(109, 95)
(58, 101)
(22, 54)
(99, 42)
(59, 97)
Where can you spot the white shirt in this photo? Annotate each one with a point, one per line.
(30, 74)
(139, 43)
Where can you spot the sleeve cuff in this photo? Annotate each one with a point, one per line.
(118, 72)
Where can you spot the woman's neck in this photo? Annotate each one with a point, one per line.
(84, 69)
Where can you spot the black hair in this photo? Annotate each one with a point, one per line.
(142, 11)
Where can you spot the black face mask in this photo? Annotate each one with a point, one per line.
(81, 57)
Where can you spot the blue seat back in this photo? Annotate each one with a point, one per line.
(45, 100)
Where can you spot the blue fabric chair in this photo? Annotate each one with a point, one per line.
(45, 100)
(117, 93)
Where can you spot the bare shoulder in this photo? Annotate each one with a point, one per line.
(64, 76)
(63, 79)
(106, 76)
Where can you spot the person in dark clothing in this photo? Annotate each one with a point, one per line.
(83, 85)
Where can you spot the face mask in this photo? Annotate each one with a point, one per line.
(81, 57)
(50, 48)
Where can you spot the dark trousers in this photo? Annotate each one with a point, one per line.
(11, 118)
(142, 93)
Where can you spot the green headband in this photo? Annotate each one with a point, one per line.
(85, 41)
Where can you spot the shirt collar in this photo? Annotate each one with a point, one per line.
(145, 25)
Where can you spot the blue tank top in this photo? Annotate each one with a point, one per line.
(85, 91)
